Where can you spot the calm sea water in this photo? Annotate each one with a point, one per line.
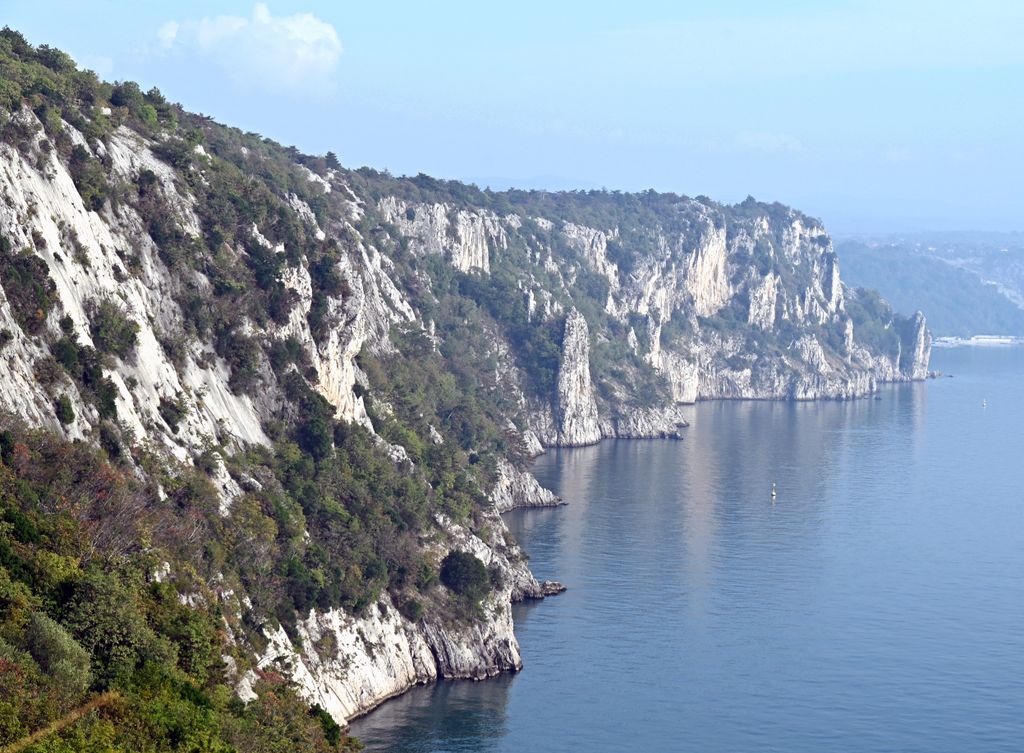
(877, 605)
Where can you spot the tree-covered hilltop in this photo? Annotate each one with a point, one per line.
(969, 285)
(259, 406)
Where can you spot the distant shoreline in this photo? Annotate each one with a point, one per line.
(984, 341)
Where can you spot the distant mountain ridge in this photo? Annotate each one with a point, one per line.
(970, 283)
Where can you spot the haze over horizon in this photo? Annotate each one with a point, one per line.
(876, 117)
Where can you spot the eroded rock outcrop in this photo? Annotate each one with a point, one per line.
(464, 237)
(577, 409)
(517, 488)
(707, 279)
(43, 212)
(920, 348)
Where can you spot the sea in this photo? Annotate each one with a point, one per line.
(875, 603)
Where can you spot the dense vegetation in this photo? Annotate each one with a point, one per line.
(27, 285)
(945, 283)
(465, 574)
(83, 612)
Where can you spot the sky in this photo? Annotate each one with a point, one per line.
(875, 116)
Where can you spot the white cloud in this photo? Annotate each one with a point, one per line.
(766, 141)
(296, 54)
(167, 34)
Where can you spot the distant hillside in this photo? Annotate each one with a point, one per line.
(968, 284)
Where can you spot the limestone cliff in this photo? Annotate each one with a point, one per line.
(382, 653)
(245, 330)
(93, 255)
(711, 301)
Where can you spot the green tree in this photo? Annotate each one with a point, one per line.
(65, 412)
(465, 574)
(58, 654)
(112, 329)
(106, 617)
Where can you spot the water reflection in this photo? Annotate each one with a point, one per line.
(453, 715)
(718, 480)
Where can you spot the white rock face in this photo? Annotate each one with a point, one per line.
(577, 409)
(532, 444)
(922, 348)
(593, 246)
(349, 664)
(42, 210)
(658, 422)
(682, 376)
(707, 271)
(516, 488)
(363, 317)
(466, 238)
(763, 298)
(707, 278)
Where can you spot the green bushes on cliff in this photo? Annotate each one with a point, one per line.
(84, 364)
(58, 654)
(90, 178)
(111, 328)
(873, 321)
(27, 286)
(65, 411)
(81, 611)
(465, 575)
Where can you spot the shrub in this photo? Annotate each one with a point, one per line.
(172, 411)
(411, 609)
(332, 730)
(316, 435)
(58, 654)
(127, 94)
(107, 617)
(84, 366)
(112, 329)
(30, 291)
(109, 441)
(47, 371)
(6, 446)
(464, 573)
(242, 354)
(66, 351)
(89, 178)
(496, 577)
(65, 413)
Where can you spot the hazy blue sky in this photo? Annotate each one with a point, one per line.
(872, 115)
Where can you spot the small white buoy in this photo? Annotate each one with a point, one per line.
(773, 491)
(984, 403)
